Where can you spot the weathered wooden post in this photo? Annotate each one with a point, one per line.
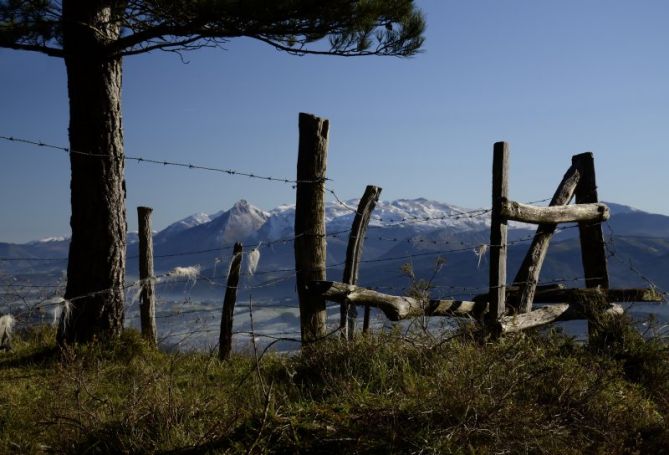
(366, 318)
(593, 251)
(225, 337)
(498, 238)
(528, 274)
(349, 312)
(147, 306)
(310, 241)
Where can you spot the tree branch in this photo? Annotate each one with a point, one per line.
(50, 51)
(305, 51)
(185, 44)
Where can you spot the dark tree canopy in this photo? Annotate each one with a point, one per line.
(351, 27)
(93, 36)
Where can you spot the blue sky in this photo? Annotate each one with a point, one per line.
(552, 78)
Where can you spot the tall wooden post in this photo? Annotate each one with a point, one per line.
(225, 337)
(593, 252)
(349, 312)
(147, 306)
(310, 241)
(498, 237)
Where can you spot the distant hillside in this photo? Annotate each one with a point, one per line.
(402, 231)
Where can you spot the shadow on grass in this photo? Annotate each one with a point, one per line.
(43, 357)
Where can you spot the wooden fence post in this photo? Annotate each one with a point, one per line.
(147, 306)
(593, 253)
(349, 312)
(528, 274)
(366, 318)
(498, 237)
(310, 241)
(225, 337)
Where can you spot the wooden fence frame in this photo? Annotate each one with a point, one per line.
(504, 308)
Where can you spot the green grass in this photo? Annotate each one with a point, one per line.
(381, 394)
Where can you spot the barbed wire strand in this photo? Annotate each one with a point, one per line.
(139, 159)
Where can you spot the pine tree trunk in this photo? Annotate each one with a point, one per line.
(98, 221)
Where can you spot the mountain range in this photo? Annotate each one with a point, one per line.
(415, 231)
(407, 241)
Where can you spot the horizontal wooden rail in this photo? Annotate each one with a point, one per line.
(576, 303)
(559, 295)
(525, 213)
(610, 295)
(549, 314)
(394, 307)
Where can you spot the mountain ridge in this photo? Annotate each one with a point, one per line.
(400, 228)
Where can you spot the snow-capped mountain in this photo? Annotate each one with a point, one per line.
(410, 216)
(398, 228)
(415, 234)
(182, 225)
(205, 231)
(60, 238)
(416, 215)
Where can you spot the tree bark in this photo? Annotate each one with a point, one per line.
(96, 267)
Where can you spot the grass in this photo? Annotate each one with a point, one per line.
(381, 394)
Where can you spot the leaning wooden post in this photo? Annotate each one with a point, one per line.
(349, 312)
(147, 306)
(498, 238)
(225, 337)
(310, 241)
(528, 274)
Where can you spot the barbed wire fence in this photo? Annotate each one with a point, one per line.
(32, 303)
(202, 317)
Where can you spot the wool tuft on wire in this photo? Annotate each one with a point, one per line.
(61, 312)
(56, 311)
(252, 260)
(190, 274)
(480, 251)
(216, 262)
(137, 288)
(6, 325)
